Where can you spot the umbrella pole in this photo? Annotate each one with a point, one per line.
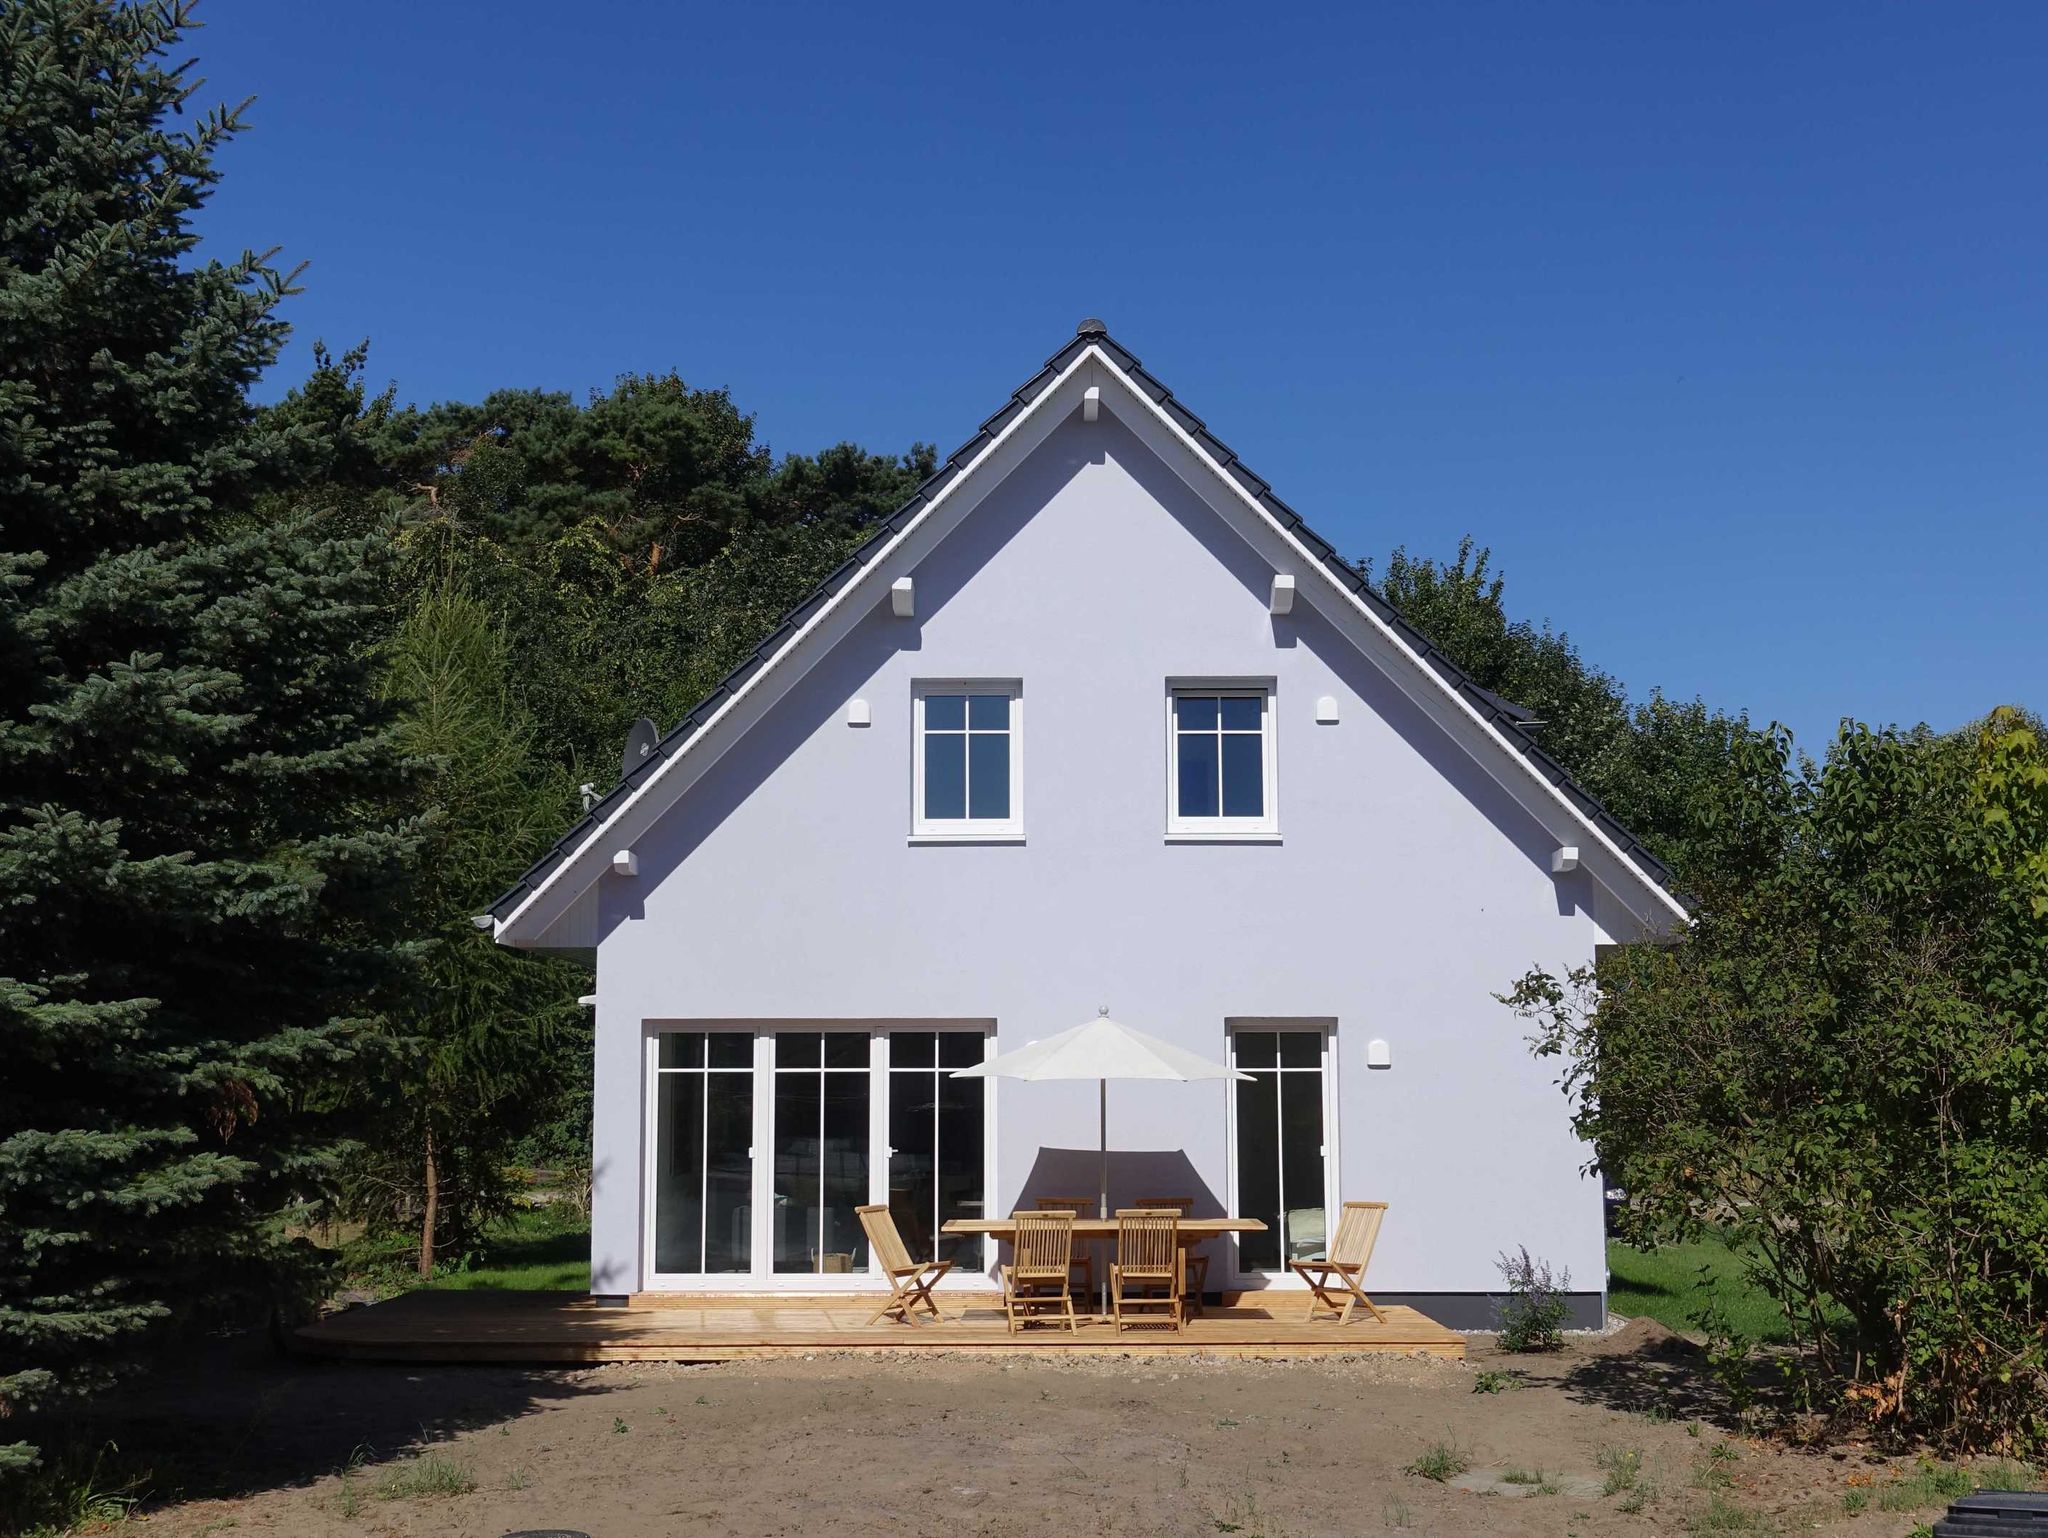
(1102, 1196)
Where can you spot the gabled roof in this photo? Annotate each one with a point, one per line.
(1506, 720)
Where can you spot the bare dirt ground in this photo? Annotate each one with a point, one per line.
(1097, 1445)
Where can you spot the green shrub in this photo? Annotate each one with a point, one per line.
(1533, 1315)
(1842, 1065)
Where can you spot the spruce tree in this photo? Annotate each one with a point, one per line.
(197, 846)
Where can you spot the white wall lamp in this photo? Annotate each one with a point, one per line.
(1326, 710)
(625, 863)
(903, 598)
(1281, 600)
(1378, 1054)
(1563, 859)
(858, 714)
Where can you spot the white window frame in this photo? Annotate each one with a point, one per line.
(1241, 1279)
(763, 1277)
(967, 830)
(1263, 829)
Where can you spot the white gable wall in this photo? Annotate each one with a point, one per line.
(1407, 889)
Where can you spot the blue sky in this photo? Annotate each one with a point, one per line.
(1726, 326)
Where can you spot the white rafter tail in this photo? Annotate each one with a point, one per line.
(903, 598)
(1564, 858)
(1282, 599)
(625, 863)
(1091, 403)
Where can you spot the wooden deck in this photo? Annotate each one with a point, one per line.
(544, 1327)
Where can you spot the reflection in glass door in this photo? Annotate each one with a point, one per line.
(1280, 1141)
(937, 1156)
(704, 1156)
(820, 1147)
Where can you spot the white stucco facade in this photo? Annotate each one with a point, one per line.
(1407, 885)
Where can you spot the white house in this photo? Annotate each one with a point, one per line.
(1094, 720)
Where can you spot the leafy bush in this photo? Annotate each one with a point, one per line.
(1533, 1315)
(1842, 1065)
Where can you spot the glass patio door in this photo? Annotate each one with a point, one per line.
(764, 1142)
(1279, 1129)
(819, 1144)
(937, 1145)
(704, 1153)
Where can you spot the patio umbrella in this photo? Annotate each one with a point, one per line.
(1101, 1049)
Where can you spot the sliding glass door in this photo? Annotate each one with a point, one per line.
(1278, 1127)
(821, 1151)
(937, 1149)
(703, 1153)
(764, 1142)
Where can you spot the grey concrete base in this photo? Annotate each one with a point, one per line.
(609, 1300)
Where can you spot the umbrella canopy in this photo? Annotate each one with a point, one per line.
(1101, 1049)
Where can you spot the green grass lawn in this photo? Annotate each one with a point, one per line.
(536, 1249)
(541, 1249)
(1663, 1285)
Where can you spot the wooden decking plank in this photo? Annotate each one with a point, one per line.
(554, 1328)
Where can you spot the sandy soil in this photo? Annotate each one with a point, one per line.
(1098, 1445)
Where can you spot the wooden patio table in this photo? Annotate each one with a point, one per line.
(1192, 1232)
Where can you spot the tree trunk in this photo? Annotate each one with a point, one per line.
(432, 1213)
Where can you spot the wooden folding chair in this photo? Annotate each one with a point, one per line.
(1197, 1262)
(1040, 1269)
(1357, 1231)
(910, 1281)
(1147, 1271)
(1084, 1256)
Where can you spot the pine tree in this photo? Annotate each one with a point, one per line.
(198, 856)
(495, 1033)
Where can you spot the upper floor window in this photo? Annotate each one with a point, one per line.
(1220, 761)
(969, 760)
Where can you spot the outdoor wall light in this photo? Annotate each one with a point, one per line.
(1378, 1054)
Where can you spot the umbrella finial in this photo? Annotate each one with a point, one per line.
(1102, 1009)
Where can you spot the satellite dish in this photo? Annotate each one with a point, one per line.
(640, 743)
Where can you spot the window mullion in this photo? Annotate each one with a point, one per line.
(704, 1165)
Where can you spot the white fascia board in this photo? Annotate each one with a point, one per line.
(1280, 547)
(527, 925)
